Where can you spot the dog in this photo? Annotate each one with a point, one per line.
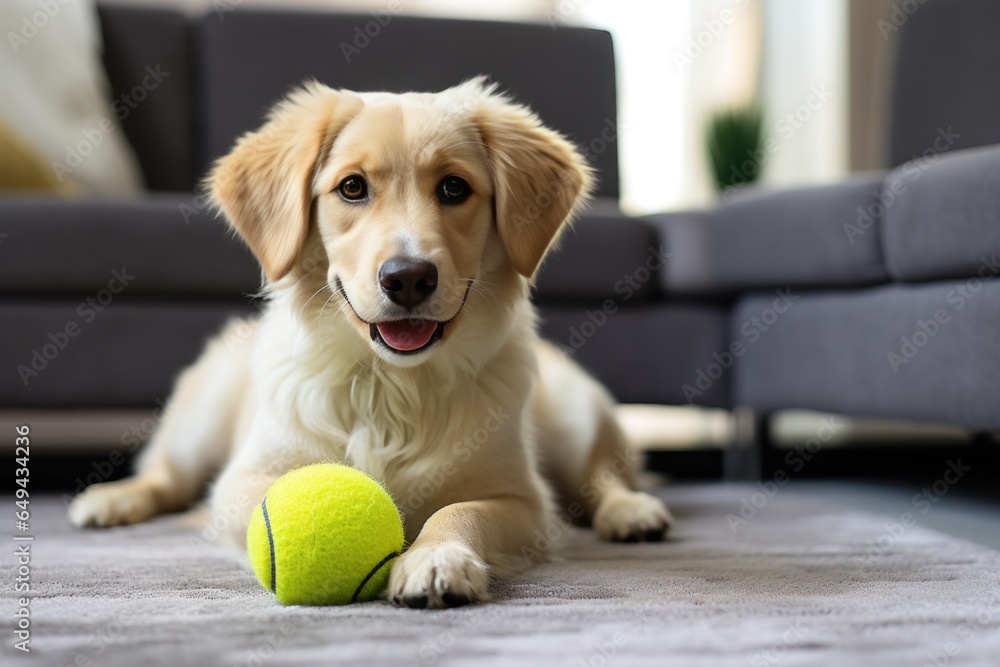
(398, 236)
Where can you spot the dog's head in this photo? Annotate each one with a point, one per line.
(409, 207)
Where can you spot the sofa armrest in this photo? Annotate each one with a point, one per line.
(605, 254)
(811, 237)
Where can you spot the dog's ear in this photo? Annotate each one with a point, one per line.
(264, 186)
(540, 179)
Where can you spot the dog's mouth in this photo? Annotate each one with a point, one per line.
(406, 336)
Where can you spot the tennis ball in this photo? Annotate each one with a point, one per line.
(324, 534)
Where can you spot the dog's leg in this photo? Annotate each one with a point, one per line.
(619, 512)
(450, 562)
(190, 444)
(262, 457)
(586, 455)
(239, 489)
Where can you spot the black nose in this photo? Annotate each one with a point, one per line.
(408, 281)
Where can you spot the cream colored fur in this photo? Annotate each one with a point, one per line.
(490, 438)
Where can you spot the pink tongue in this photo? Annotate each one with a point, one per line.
(406, 335)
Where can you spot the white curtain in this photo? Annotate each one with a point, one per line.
(805, 89)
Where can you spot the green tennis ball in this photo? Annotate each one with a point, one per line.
(324, 534)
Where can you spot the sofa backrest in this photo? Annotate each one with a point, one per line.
(945, 76)
(149, 60)
(249, 59)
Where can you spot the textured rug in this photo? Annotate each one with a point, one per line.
(787, 583)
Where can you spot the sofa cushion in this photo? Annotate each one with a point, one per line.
(165, 244)
(251, 58)
(942, 218)
(768, 239)
(604, 255)
(896, 351)
(65, 353)
(160, 127)
(646, 354)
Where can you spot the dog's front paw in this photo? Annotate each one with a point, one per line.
(632, 516)
(113, 504)
(447, 575)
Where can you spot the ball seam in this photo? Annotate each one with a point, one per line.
(354, 598)
(270, 544)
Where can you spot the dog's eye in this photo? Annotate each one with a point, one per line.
(353, 188)
(454, 190)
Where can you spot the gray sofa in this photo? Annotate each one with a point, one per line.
(871, 297)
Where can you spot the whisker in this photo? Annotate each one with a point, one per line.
(487, 294)
(344, 308)
(325, 304)
(326, 286)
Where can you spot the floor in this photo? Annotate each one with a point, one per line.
(805, 574)
(958, 512)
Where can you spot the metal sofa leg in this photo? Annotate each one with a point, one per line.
(742, 460)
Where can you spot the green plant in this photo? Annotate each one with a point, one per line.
(733, 139)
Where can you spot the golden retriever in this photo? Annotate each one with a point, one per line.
(398, 236)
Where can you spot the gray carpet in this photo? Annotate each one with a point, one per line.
(800, 584)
